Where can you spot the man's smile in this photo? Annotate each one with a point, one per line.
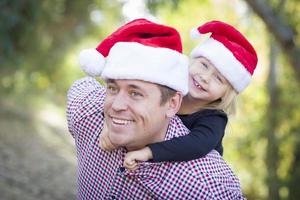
(119, 121)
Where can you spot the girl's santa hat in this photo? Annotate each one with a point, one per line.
(140, 50)
(229, 51)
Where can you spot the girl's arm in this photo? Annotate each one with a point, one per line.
(133, 157)
(206, 134)
(207, 131)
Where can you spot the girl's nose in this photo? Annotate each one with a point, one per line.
(205, 77)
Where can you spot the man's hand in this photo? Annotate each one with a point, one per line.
(133, 157)
(105, 142)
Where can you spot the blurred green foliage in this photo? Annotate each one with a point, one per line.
(36, 37)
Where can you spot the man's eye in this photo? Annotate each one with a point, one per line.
(135, 94)
(111, 88)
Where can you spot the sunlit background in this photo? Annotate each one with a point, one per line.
(39, 46)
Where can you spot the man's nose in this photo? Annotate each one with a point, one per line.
(119, 102)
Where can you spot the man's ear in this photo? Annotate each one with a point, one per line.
(174, 104)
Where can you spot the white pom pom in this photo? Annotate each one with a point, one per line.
(194, 34)
(91, 62)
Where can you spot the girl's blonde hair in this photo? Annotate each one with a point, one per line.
(227, 103)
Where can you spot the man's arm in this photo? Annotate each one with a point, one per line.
(81, 93)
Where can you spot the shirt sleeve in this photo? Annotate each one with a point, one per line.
(205, 134)
(82, 90)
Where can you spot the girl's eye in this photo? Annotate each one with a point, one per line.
(219, 79)
(205, 65)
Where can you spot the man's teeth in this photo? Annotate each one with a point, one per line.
(121, 121)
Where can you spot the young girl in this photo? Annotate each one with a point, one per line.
(221, 68)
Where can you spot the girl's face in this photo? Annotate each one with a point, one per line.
(206, 83)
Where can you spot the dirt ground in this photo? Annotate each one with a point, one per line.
(37, 156)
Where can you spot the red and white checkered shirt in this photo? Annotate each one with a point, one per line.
(102, 176)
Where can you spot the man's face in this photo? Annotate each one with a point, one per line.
(133, 113)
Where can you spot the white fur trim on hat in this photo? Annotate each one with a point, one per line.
(164, 66)
(225, 62)
(195, 34)
(91, 62)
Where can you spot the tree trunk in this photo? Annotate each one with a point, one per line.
(293, 184)
(280, 29)
(272, 159)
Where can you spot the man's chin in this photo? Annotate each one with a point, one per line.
(117, 140)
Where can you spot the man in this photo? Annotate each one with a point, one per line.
(146, 75)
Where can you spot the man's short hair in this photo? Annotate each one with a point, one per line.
(166, 93)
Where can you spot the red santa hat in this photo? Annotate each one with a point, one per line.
(140, 50)
(229, 51)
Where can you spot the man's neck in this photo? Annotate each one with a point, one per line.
(158, 137)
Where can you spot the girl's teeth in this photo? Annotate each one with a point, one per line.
(197, 84)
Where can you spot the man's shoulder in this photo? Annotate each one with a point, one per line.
(214, 168)
(211, 163)
(208, 176)
(214, 174)
(176, 128)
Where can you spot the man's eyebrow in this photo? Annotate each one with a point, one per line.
(110, 81)
(134, 86)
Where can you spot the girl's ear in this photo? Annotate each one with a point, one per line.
(174, 104)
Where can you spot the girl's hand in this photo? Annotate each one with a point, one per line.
(105, 142)
(133, 157)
